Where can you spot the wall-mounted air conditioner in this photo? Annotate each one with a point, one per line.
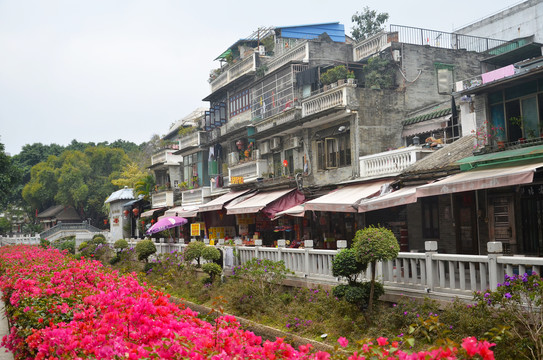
(233, 158)
(264, 147)
(293, 142)
(256, 154)
(275, 143)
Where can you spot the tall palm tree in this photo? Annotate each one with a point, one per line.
(145, 186)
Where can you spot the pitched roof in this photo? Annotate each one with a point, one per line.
(50, 212)
(443, 160)
(427, 116)
(68, 214)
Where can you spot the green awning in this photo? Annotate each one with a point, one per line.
(501, 157)
(224, 54)
(427, 116)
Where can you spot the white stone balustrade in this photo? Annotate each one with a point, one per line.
(166, 156)
(195, 196)
(370, 46)
(325, 100)
(234, 71)
(191, 140)
(390, 162)
(250, 170)
(162, 199)
(299, 52)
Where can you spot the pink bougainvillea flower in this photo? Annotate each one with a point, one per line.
(343, 342)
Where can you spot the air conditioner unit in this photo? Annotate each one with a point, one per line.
(264, 147)
(293, 142)
(275, 143)
(256, 154)
(261, 50)
(233, 158)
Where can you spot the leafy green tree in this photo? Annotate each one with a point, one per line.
(144, 249)
(373, 244)
(213, 270)
(120, 245)
(346, 265)
(10, 177)
(193, 251)
(145, 186)
(211, 253)
(367, 23)
(5, 225)
(130, 176)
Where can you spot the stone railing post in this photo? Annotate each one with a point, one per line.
(308, 245)
(341, 244)
(280, 246)
(258, 244)
(430, 248)
(495, 270)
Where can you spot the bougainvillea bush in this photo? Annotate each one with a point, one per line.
(61, 308)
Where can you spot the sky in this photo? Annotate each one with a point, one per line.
(104, 70)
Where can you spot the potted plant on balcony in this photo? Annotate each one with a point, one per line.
(350, 77)
(183, 186)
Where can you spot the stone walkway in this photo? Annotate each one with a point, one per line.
(4, 329)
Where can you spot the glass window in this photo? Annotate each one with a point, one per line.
(430, 218)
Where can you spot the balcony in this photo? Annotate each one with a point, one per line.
(166, 157)
(286, 116)
(370, 46)
(162, 199)
(216, 190)
(390, 162)
(235, 71)
(299, 52)
(195, 196)
(335, 97)
(249, 171)
(485, 78)
(192, 140)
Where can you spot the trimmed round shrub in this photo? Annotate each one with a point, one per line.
(144, 249)
(211, 253)
(193, 251)
(121, 244)
(98, 239)
(346, 265)
(374, 244)
(212, 269)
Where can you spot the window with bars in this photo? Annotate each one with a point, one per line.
(239, 102)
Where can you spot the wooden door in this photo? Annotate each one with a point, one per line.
(501, 221)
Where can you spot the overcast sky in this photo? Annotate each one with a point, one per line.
(99, 70)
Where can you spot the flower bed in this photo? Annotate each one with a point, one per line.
(61, 308)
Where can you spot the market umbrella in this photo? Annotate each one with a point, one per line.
(165, 223)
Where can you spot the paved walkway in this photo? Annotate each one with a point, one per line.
(3, 331)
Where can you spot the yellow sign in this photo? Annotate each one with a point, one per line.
(195, 229)
(236, 180)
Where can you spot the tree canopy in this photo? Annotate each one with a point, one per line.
(10, 176)
(367, 23)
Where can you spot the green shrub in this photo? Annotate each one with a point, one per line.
(44, 243)
(120, 244)
(211, 253)
(82, 246)
(144, 249)
(68, 245)
(98, 239)
(346, 265)
(212, 269)
(193, 251)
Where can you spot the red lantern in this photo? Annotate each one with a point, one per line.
(126, 212)
(143, 222)
(105, 221)
(135, 211)
(285, 163)
(152, 221)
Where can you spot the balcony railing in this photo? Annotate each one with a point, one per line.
(215, 190)
(300, 52)
(166, 157)
(282, 118)
(234, 71)
(326, 100)
(192, 140)
(162, 199)
(250, 170)
(390, 162)
(370, 46)
(195, 196)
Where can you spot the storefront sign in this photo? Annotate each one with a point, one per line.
(236, 180)
(195, 229)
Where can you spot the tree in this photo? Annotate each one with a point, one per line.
(145, 186)
(144, 249)
(373, 244)
(131, 175)
(367, 23)
(9, 176)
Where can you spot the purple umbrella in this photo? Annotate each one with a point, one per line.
(165, 223)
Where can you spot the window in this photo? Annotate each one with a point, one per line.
(444, 78)
(289, 157)
(333, 152)
(190, 169)
(239, 103)
(430, 218)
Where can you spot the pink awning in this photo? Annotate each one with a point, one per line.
(345, 199)
(149, 213)
(182, 211)
(284, 202)
(403, 196)
(297, 211)
(257, 202)
(481, 179)
(218, 203)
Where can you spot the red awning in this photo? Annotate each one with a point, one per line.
(262, 199)
(481, 179)
(406, 195)
(345, 199)
(297, 211)
(218, 203)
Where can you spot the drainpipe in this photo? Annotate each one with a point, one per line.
(355, 130)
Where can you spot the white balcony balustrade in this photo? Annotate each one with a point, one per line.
(166, 157)
(335, 97)
(390, 162)
(250, 170)
(235, 71)
(195, 196)
(299, 52)
(370, 46)
(192, 140)
(162, 199)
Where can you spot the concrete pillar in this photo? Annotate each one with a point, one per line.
(258, 244)
(495, 270)
(430, 248)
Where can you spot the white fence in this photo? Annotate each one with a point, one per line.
(438, 275)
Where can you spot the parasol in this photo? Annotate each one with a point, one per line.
(165, 223)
